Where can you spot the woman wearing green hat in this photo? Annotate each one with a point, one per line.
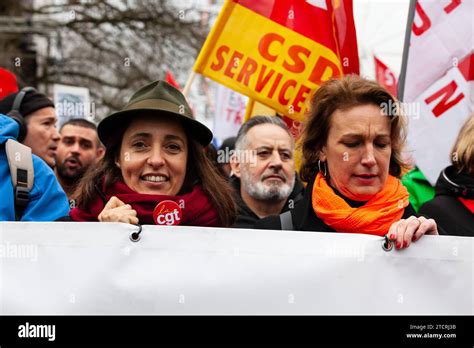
(155, 170)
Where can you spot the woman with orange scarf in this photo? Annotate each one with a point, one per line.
(352, 162)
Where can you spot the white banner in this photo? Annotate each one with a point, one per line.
(229, 112)
(72, 102)
(438, 84)
(95, 268)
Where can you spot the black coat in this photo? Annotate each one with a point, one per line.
(246, 218)
(305, 219)
(446, 209)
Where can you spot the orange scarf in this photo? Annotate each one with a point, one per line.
(375, 217)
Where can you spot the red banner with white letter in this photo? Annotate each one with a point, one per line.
(385, 76)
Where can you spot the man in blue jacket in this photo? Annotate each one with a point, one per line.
(47, 201)
(36, 115)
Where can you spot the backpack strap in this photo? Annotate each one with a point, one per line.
(20, 161)
(286, 221)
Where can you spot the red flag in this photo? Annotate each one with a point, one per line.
(335, 29)
(385, 76)
(170, 79)
(346, 37)
(8, 83)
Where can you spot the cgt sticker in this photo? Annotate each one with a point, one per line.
(167, 213)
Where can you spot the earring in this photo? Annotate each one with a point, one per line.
(325, 173)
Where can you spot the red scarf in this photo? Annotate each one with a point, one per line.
(197, 209)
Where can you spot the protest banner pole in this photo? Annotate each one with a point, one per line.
(188, 84)
(401, 79)
(249, 109)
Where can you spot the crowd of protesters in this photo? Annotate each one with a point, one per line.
(153, 151)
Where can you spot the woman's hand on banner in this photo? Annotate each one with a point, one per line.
(117, 211)
(405, 231)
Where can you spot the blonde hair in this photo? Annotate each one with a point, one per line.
(463, 150)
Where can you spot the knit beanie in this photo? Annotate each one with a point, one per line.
(32, 102)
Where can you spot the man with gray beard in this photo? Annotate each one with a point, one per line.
(263, 169)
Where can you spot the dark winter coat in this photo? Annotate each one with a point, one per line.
(246, 218)
(446, 209)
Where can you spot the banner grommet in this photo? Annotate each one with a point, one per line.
(135, 236)
(387, 245)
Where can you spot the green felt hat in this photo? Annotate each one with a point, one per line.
(157, 98)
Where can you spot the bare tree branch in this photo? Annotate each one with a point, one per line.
(113, 47)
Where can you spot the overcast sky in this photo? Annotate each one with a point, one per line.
(380, 26)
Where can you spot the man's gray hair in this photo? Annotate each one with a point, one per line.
(256, 121)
